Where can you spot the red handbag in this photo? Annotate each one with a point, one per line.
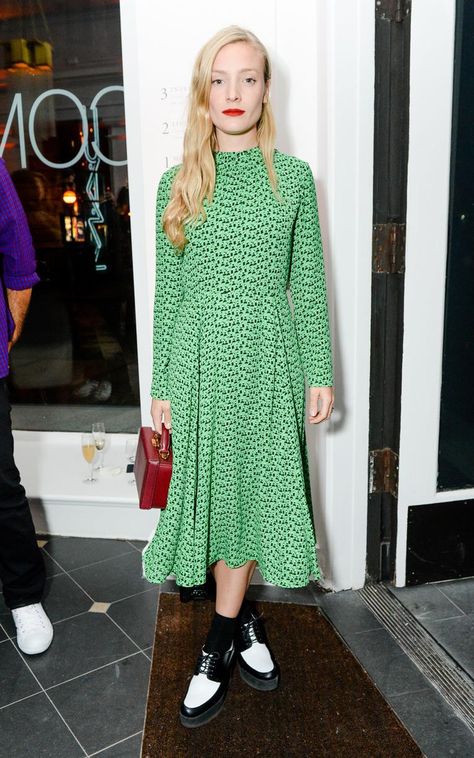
(153, 467)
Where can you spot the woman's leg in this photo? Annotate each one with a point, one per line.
(208, 685)
(239, 618)
(231, 586)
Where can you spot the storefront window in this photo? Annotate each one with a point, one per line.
(63, 138)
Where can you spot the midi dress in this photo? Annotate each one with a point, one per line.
(232, 357)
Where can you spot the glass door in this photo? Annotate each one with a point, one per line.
(436, 465)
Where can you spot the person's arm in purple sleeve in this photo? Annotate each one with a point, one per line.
(18, 302)
(17, 253)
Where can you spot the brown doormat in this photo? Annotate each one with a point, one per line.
(325, 706)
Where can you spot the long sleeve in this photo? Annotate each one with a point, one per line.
(17, 255)
(307, 283)
(168, 294)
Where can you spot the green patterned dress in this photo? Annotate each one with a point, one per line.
(232, 359)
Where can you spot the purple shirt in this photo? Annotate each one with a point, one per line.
(17, 257)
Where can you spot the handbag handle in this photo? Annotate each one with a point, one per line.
(162, 442)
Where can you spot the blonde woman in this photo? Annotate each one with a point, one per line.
(237, 225)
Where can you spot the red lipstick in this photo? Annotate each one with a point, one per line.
(233, 112)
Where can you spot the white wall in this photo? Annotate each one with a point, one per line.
(322, 94)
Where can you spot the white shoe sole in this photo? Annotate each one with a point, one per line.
(35, 649)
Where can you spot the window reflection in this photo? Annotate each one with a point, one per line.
(62, 136)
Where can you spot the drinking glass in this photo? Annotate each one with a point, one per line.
(88, 451)
(130, 452)
(131, 449)
(98, 432)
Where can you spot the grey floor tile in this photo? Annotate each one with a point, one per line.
(6, 619)
(74, 552)
(114, 579)
(298, 595)
(372, 644)
(348, 612)
(457, 637)
(257, 577)
(129, 748)
(399, 676)
(63, 598)
(137, 616)
(16, 680)
(121, 691)
(461, 592)
(33, 727)
(52, 568)
(392, 671)
(433, 724)
(425, 601)
(138, 544)
(168, 586)
(318, 591)
(80, 644)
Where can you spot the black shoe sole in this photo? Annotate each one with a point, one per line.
(264, 685)
(203, 718)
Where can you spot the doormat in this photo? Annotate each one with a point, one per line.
(326, 704)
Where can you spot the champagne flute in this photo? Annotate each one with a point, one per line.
(130, 452)
(130, 449)
(98, 432)
(88, 451)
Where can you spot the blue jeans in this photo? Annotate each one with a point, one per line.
(22, 569)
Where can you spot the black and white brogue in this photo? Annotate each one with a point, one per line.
(208, 687)
(257, 665)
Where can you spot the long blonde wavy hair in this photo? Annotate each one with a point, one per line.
(195, 179)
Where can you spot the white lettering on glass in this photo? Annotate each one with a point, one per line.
(16, 110)
(95, 120)
(17, 105)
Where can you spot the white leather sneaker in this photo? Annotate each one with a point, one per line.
(34, 629)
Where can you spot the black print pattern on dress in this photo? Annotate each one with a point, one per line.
(232, 359)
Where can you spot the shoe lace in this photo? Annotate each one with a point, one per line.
(254, 629)
(207, 662)
(27, 616)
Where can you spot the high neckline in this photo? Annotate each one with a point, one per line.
(223, 154)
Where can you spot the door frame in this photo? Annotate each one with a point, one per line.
(391, 119)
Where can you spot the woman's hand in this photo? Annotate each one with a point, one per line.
(161, 409)
(326, 396)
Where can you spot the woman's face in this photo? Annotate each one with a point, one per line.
(237, 86)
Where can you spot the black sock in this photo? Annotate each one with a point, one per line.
(246, 610)
(220, 635)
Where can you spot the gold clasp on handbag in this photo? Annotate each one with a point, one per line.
(155, 441)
